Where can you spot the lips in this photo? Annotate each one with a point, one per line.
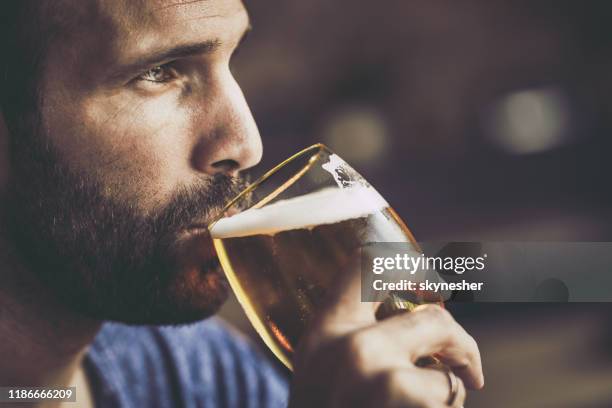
(200, 227)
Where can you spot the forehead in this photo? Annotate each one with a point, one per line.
(128, 27)
(163, 14)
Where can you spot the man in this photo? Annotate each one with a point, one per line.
(122, 131)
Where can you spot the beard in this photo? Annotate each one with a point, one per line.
(106, 259)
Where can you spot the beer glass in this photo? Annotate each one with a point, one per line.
(283, 241)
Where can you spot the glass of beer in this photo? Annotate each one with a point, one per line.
(283, 241)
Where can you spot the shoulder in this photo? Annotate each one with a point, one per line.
(202, 364)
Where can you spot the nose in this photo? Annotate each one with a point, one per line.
(228, 140)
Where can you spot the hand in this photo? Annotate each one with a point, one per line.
(348, 359)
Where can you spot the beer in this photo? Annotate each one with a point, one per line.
(281, 259)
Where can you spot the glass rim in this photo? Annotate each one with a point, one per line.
(317, 147)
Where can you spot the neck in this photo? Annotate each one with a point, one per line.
(43, 342)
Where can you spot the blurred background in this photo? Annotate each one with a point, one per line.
(477, 120)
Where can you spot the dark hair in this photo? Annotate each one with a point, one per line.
(23, 40)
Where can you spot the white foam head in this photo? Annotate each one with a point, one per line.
(327, 206)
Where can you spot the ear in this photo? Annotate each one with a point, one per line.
(4, 153)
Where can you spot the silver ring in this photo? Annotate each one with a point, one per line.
(453, 387)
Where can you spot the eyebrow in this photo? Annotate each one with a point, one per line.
(164, 56)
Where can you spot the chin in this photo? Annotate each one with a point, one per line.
(180, 284)
(200, 282)
(195, 294)
(182, 294)
(202, 291)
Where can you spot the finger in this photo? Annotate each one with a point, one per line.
(439, 388)
(343, 311)
(430, 330)
(403, 387)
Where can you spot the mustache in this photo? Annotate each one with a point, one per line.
(199, 203)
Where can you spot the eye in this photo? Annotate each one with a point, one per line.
(159, 74)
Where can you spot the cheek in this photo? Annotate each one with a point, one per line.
(139, 150)
(152, 142)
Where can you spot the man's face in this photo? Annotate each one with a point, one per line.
(140, 136)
